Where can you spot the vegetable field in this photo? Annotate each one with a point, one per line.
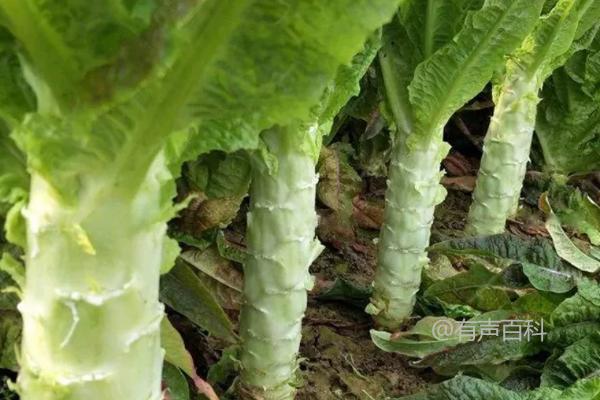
(300, 199)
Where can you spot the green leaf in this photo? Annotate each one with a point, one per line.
(478, 288)
(347, 81)
(70, 44)
(419, 340)
(432, 24)
(568, 121)
(10, 338)
(16, 97)
(282, 70)
(14, 179)
(541, 304)
(575, 309)
(543, 51)
(230, 251)
(466, 388)
(584, 389)
(589, 289)
(228, 364)
(579, 360)
(448, 79)
(253, 74)
(566, 335)
(576, 210)
(185, 293)
(566, 249)
(493, 350)
(15, 269)
(175, 382)
(175, 352)
(220, 175)
(542, 265)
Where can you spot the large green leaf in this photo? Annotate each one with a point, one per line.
(575, 309)
(448, 79)
(468, 388)
(579, 360)
(281, 70)
(568, 122)
(431, 24)
(548, 45)
(76, 47)
(253, 73)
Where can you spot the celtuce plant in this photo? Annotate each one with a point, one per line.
(281, 239)
(569, 115)
(430, 73)
(122, 95)
(508, 141)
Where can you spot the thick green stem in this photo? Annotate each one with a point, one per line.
(412, 194)
(505, 156)
(90, 306)
(281, 245)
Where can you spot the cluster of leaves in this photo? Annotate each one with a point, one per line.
(507, 277)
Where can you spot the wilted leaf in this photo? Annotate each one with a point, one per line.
(490, 350)
(566, 249)
(185, 293)
(419, 341)
(368, 214)
(477, 287)
(338, 181)
(204, 214)
(228, 298)
(461, 183)
(540, 262)
(577, 210)
(210, 262)
(338, 185)
(346, 292)
(334, 230)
